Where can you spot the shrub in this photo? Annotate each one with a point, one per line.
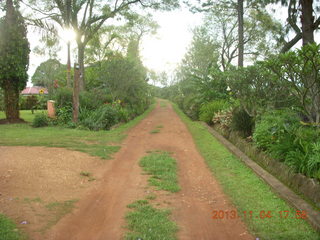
(242, 122)
(208, 110)
(276, 127)
(191, 106)
(94, 99)
(40, 120)
(223, 118)
(63, 97)
(313, 164)
(102, 119)
(64, 114)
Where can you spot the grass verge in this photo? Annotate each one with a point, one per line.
(247, 191)
(163, 169)
(8, 230)
(147, 222)
(101, 143)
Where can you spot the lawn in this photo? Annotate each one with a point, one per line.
(95, 143)
(25, 114)
(252, 197)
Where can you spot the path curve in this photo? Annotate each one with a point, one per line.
(100, 215)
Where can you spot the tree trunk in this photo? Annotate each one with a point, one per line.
(76, 93)
(81, 66)
(307, 21)
(68, 67)
(11, 100)
(240, 33)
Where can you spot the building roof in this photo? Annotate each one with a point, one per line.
(35, 90)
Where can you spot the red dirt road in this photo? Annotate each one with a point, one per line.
(100, 215)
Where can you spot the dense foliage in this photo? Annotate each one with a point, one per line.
(14, 59)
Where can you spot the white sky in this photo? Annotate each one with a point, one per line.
(160, 52)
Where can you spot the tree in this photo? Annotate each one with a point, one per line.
(50, 74)
(240, 33)
(14, 59)
(309, 24)
(88, 16)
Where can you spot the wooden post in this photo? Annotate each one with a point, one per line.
(76, 90)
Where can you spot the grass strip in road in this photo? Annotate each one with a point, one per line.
(100, 143)
(8, 230)
(248, 192)
(163, 169)
(147, 222)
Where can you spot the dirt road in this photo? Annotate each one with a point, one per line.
(100, 215)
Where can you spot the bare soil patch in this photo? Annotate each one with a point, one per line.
(39, 185)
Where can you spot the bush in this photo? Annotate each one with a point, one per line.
(64, 114)
(94, 99)
(207, 110)
(223, 118)
(242, 122)
(102, 119)
(190, 105)
(63, 97)
(275, 127)
(40, 120)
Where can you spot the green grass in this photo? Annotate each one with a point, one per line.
(148, 223)
(101, 143)
(247, 191)
(8, 230)
(25, 114)
(163, 169)
(155, 131)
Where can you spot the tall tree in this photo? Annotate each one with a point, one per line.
(14, 59)
(301, 11)
(88, 16)
(240, 33)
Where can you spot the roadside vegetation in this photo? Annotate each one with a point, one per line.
(247, 191)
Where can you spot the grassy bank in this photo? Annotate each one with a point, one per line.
(100, 143)
(266, 215)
